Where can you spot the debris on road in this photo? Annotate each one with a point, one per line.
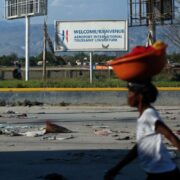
(102, 132)
(124, 138)
(33, 131)
(53, 128)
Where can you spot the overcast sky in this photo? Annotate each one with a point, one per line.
(81, 10)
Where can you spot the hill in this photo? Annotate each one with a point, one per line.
(12, 38)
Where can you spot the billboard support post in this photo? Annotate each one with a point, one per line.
(27, 49)
(44, 52)
(15, 9)
(91, 66)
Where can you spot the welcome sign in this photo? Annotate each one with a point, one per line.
(91, 36)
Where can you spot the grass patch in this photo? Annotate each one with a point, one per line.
(78, 83)
(67, 83)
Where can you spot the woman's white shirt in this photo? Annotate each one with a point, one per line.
(153, 155)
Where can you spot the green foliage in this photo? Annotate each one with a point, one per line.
(175, 57)
(33, 60)
(77, 83)
(102, 59)
(8, 60)
(97, 58)
(50, 60)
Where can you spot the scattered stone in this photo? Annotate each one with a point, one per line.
(10, 132)
(10, 112)
(124, 132)
(115, 135)
(168, 112)
(171, 117)
(125, 138)
(24, 115)
(64, 104)
(2, 103)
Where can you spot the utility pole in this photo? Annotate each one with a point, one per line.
(91, 67)
(27, 48)
(151, 24)
(44, 52)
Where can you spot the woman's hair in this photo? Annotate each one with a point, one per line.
(148, 91)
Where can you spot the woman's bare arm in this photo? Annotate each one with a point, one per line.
(167, 132)
(132, 154)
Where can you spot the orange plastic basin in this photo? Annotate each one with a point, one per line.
(142, 63)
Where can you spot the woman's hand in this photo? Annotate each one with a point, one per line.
(110, 175)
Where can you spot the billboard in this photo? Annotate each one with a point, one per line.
(140, 11)
(21, 8)
(91, 36)
(163, 10)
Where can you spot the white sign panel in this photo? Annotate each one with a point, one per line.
(21, 8)
(91, 36)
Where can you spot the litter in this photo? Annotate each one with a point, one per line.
(53, 128)
(10, 112)
(64, 138)
(57, 138)
(24, 115)
(103, 132)
(32, 131)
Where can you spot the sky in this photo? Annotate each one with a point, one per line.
(80, 10)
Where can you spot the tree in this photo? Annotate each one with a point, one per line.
(33, 61)
(8, 60)
(50, 60)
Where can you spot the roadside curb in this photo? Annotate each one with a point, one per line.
(77, 89)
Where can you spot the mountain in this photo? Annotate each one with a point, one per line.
(12, 38)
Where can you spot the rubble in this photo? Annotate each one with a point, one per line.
(33, 131)
(53, 128)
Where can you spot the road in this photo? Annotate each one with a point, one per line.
(101, 136)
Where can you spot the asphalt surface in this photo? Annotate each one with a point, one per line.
(86, 153)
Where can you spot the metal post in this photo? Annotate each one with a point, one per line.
(44, 52)
(91, 67)
(27, 49)
(152, 26)
(152, 31)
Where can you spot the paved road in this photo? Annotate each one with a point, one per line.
(81, 155)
